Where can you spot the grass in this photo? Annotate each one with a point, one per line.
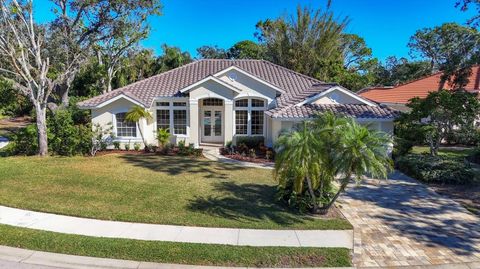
(462, 153)
(169, 252)
(151, 189)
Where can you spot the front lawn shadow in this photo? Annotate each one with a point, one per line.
(177, 165)
(246, 203)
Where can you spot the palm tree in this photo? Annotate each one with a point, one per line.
(136, 114)
(325, 148)
(297, 159)
(359, 152)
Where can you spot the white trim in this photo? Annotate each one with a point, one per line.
(124, 138)
(172, 108)
(250, 76)
(219, 81)
(109, 101)
(336, 88)
(249, 108)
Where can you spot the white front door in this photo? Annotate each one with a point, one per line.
(212, 129)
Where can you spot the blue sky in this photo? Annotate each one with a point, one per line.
(386, 25)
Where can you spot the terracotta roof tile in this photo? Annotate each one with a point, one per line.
(401, 94)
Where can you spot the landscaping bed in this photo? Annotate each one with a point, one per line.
(455, 173)
(151, 188)
(171, 252)
(249, 149)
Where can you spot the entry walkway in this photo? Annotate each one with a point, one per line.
(401, 222)
(157, 232)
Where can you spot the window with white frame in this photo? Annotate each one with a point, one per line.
(241, 122)
(163, 119)
(172, 115)
(257, 122)
(249, 116)
(125, 128)
(180, 122)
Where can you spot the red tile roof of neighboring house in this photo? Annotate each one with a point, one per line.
(401, 94)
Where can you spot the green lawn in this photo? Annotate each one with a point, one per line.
(169, 252)
(445, 151)
(152, 189)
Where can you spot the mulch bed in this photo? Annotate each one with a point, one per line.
(116, 151)
(239, 157)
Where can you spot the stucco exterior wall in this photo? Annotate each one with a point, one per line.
(105, 116)
(337, 97)
(278, 126)
(250, 87)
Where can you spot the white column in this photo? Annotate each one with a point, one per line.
(193, 119)
(229, 121)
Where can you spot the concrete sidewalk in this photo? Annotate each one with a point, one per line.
(157, 232)
(16, 258)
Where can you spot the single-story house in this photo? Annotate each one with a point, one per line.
(398, 96)
(216, 101)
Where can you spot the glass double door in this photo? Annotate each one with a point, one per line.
(212, 121)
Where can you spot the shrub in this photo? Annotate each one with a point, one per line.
(25, 141)
(101, 138)
(163, 137)
(436, 169)
(116, 145)
(252, 142)
(63, 136)
(474, 157)
(136, 146)
(127, 146)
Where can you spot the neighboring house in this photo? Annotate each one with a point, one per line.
(216, 101)
(396, 97)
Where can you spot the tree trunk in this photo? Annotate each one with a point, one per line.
(141, 134)
(110, 75)
(41, 112)
(65, 98)
(312, 194)
(343, 186)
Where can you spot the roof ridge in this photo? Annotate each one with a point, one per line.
(292, 71)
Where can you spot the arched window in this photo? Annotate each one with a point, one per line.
(125, 128)
(249, 116)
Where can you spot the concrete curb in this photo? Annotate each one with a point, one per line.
(55, 260)
(157, 232)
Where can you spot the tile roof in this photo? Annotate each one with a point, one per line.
(297, 86)
(401, 94)
(359, 111)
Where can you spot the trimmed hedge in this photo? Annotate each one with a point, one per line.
(438, 169)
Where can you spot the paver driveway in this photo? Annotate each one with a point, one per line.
(402, 222)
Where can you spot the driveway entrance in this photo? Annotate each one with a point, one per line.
(402, 222)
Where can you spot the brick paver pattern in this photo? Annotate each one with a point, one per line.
(401, 222)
